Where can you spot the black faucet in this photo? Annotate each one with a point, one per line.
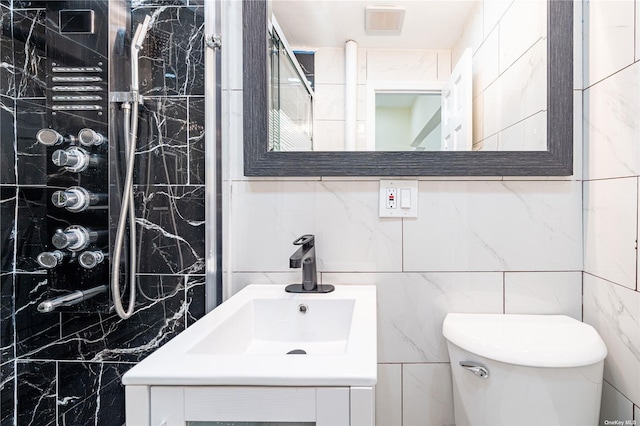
(305, 257)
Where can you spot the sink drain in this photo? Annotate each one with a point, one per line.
(297, 352)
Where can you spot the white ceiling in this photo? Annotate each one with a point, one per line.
(428, 24)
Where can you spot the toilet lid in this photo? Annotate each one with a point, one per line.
(528, 340)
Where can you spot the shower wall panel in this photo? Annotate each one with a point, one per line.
(65, 368)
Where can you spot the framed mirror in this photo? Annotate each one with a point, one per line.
(556, 160)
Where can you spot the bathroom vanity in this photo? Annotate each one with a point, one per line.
(206, 405)
(265, 355)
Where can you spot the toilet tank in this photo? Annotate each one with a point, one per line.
(524, 369)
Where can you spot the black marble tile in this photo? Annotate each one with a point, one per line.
(196, 141)
(31, 230)
(82, 344)
(172, 61)
(163, 149)
(34, 331)
(7, 347)
(91, 393)
(36, 391)
(157, 3)
(7, 81)
(29, 53)
(8, 201)
(195, 298)
(27, 4)
(160, 316)
(7, 141)
(7, 394)
(32, 156)
(171, 225)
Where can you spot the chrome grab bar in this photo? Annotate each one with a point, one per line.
(70, 298)
(476, 368)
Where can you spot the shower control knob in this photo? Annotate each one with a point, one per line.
(74, 238)
(50, 137)
(76, 199)
(73, 159)
(90, 259)
(50, 259)
(89, 137)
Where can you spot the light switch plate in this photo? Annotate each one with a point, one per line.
(399, 206)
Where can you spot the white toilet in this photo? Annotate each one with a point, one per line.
(524, 369)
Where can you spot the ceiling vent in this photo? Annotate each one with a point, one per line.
(384, 20)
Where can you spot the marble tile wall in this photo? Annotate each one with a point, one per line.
(509, 74)
(496, 245)
(64, 368)
(610, 208)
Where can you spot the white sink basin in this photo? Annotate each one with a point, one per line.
(277, 326)
(248, 339)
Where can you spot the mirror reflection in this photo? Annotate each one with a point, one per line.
(407, 122)
(419, 75)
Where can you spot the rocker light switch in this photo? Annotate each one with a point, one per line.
(405, 198)
(398, 198)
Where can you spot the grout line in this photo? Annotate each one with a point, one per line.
(402, 394)
(637, 218)
(15, 388)
(57, 391)
(619, 391)
(504, 292)
(582, 296)
(606, 77)
(402, 245)
(609, 281)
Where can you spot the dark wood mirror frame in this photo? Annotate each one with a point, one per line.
(556, 161)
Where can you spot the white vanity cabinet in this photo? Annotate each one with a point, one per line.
(207, 405)
(265, 356)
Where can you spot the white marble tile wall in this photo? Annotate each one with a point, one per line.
(478, 245)
(543, 293)
(401, 65)
(509, 73)
(614, 405)
(610, 221)
(520, 90)
(615, 312)
(611, 160)
(427, 387)
(534, 14)
(389, 395)
(495, 226)
(609, 38)
(612, 125)
(412, 307)
(486, 64)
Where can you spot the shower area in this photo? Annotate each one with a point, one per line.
(67, 99)
(290, 94)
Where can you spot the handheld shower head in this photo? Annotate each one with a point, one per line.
(136, 45)
(141, 33)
